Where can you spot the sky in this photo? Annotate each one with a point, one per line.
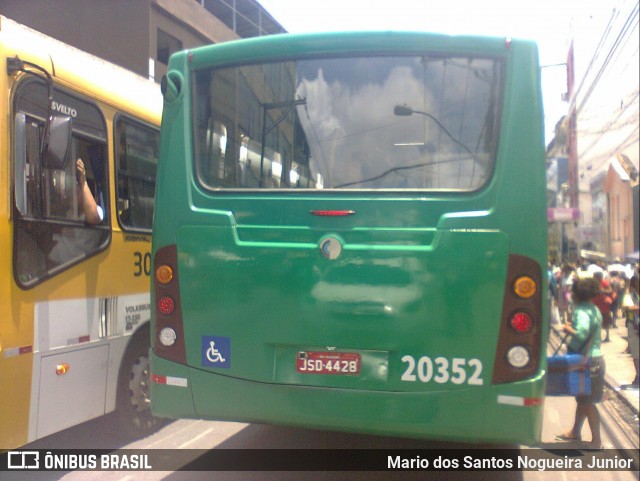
(548, 22)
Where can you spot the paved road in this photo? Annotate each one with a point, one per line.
(184, 435)
(619, 432)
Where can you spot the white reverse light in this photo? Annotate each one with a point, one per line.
(518, 356)
(167, 337)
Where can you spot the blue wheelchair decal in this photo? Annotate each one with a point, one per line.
(216, 351)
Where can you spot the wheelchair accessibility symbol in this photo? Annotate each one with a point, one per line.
(216, 351)
(213, 355)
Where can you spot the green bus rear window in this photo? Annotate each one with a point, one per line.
(363, 123)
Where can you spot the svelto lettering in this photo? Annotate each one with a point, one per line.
(64, 109)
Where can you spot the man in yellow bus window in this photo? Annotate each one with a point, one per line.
(71, 243)
(93, 213)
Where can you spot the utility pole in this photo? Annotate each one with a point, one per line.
(571, 134)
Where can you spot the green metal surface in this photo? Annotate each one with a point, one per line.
(420, 274)
(273, 297)
(462, 415)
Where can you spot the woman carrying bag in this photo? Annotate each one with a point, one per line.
(584, 329)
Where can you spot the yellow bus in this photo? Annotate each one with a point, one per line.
(74, 297)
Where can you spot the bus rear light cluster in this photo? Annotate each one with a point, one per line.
(168, 328)
(519, 348)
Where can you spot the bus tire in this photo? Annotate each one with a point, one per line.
(133, 419)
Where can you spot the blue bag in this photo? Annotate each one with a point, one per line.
(568, 375)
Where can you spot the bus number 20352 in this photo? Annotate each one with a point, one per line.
(442, 370)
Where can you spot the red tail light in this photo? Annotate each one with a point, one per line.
(521, 322)
(166, 305)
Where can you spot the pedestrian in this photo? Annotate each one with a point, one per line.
(553, 284)
(630, 304)
(603, 302)
(564, 293)
(585, 339)
(618, 286)
(552, 292)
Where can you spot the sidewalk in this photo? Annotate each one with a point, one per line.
(620, 370)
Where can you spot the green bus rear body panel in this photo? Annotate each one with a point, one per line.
(419, 274)
(459, 415)
(275, 299)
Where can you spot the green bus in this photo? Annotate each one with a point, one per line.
(350, 234)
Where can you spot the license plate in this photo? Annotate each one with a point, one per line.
(341, 363)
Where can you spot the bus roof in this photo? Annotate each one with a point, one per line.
(284, 46)
(73, 67)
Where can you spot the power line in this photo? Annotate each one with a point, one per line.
(613, 123)
(574, 94)
(622, 35)
(629, 26)
(599, 162)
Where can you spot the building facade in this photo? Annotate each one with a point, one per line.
(620, 183)
(140, 35)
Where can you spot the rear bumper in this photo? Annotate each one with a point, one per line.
(483, 414)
